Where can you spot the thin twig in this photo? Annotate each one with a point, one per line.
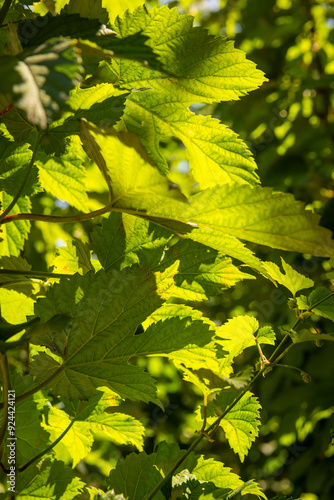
(38, 274)
(4, 10)
(49, 448)
(55, 218)
(213, 427)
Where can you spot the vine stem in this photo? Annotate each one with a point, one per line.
(49, 448)
(213, 427)
(24, 182)
(4, 10)
(55, 218)
(6, 387)
(38, 274)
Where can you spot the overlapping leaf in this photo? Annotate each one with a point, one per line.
(25, 79)
(319, 301)
(241, 423)
(15, 160)
(203, 67)
(64, 177)
(51, 481)
(216, 155)
(210, 470)
(238, 333)
(136, 477)
(202, 271)
(123, 240)
(74, 258)
(97, 346)
(213, 215)
(101, 104)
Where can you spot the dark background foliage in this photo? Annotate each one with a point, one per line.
(289, 125)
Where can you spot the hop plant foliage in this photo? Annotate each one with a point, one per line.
(86, 113)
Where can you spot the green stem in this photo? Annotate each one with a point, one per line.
(294, 326)
(320, 301)
(36, 388)
(287, 349)
(9, 284)
(290, 366)
(4, 10)
(24, 182)
(55, 218)
(174, 468)
(38, 274)
(202, 436)
(6, 387)
(213, 427)
(49, 448)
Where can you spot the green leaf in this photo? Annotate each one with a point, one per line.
(223, 477)
(13, 235)
(64, 177)
(204, 68)
(237, 334)
(98, 345)
(74, 258)
(241, 423)
(187, 322)
(101, 104)
(16, 306)
(308, 336)
(77, 442)
(118, 7)
(24, 79)
(291, 279)
(253, 214)
(123, 240)
(202, 271)
(15, 281)
(136, 477)
(92, 420)
(31, 438)
(14, 160)
(50, 481)
(91, 9)
(266, 335)
(70, 25)
(216, 155)
(326, 306)
(205, 470)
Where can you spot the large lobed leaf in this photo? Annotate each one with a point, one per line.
(241, 423)
(216, 154)
(203, 67)
(213, 215)
(96, 347)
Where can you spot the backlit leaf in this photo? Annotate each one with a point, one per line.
(291, 279)
(241, 422)
(203, 67)
(13, 235)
